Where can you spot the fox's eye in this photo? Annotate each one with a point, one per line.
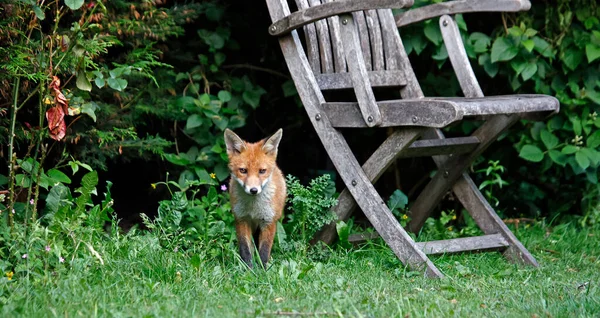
(262, 171)
(243, 170)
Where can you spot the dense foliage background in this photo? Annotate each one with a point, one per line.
(135, 95)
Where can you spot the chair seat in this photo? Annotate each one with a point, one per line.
(439, 112)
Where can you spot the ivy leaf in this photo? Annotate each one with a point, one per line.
(592, 52)
(117, 84)
(582, 160)
(503, 50)
(82, 82)
(549, 140)
(39, 13)
(193, 121)
(572, 58)
(433, 33)
(74, 4)
(558, 157)
(531, 153)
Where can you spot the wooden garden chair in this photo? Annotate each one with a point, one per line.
(355, 45)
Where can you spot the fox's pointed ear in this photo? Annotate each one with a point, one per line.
(271, 144)
(233, 142)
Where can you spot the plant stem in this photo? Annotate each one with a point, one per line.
(11, 157)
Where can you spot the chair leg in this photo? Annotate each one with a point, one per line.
(450, 168)
(374, 167)
(488, 221)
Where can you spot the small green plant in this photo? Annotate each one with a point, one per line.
(311, 207)
(493, 174)
(398, 203)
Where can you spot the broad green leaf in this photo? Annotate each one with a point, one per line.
(480, 42)
(39, 13)
(89, 109)
(99, 82)
(193, 121)
(117, 84)
(570, 149)
(577, 128)
(82, 82)
(289, 88)
(572, 57)
(74, 4)
(558, 157)
(549, 140)
(490, 68)
(593, 140)
(22, 181)
(531, 153)
(592, 154)
(224, 96)
(503, 50)
(433, 33)
(529, 70)
(219, 58)
(221, 122)
(592, 52)
(542, 47)
(59, 176)
(528, 44)
(3, 180)
(175, 159)
(398, 200)
(460, 21)
(582, 160)
(418, 43)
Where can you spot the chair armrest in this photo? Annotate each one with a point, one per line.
(326, 10)
(459, 6)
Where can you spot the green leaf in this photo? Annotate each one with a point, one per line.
(592, 52)
(433, 33)
(193, 121)
(82, 82)
(558, 157)
(542, 47)
(252, 98)
(398, 200)
(59, 176)
(572, 58)
(480, 42)
(549, 140)
(3, 180)
(531, 153)
(289, 88)
(592, 154)
(22, 181)
(224, 96)
(90, 109)
(569, 149)
(529, 70)
(528, 44)
(593, 140)
(117, 84)
(74, 4)
(582, 160)
(99, 82)
(503, 50)
(175, 159)
(490, 68)
(219, 58)
(39, 13)
(343, 231)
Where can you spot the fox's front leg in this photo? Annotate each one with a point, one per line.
(265, 242)
(244, 236)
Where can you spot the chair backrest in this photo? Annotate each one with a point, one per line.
(384, 57)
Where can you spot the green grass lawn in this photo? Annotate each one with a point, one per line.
(140, 279)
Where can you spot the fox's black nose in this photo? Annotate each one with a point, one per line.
(254, 190)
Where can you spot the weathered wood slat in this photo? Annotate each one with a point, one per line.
(507, 104)
(460, 6)
(324, 41)
(388, 32)
(375, 39)
(339, 58)
(405, 112)
(312, 43)
(302, 17)
(358, 73)
(458, 57)
(451, 169)
(363, 36)
(377, 79)
(457, 245)
(488, 221)
(436, 147)
(349, 170)
(391, 149)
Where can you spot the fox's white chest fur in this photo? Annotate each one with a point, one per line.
(256, 208)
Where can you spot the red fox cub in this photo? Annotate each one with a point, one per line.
(257, 189)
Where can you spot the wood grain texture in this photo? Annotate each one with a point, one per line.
(358, 73)
(376, 40)
(460, 6)
(436, 147)
(376, 78)
(404, 112)
(312, 43)
(363, 36)
(458, 57)
(290, 22)
(324, 39)
(337, 47)
(348, 168)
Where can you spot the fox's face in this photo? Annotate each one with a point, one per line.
(252, 164)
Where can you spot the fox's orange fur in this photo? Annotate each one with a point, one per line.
(257, 190)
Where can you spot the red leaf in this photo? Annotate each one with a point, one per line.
(56, 122)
